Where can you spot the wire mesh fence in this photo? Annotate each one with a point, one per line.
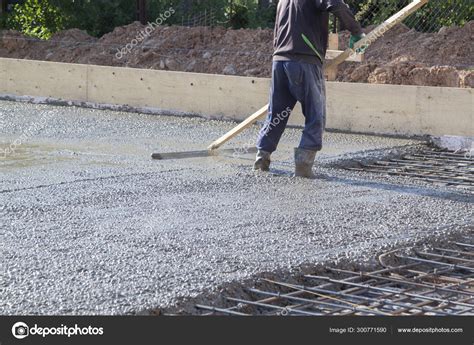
(204, 18)
(430, 18)
(257, 13)
(260, 13)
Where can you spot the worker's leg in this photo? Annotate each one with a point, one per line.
(313, 104)
(281, 104)
(307, 86)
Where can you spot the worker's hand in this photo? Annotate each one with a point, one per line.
(354, 39)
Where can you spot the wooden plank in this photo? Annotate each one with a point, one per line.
(379, 31)
(332, 54)
(333, 41)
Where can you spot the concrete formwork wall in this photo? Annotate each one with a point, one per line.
(384, 109)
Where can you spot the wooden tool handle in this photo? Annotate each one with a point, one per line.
(378, 32)
(239, 128)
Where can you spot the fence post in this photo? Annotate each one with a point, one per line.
(141, 11)
(3, 6)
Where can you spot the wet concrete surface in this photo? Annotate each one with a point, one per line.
(91, 225)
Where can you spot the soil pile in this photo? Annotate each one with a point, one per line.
(402, 56)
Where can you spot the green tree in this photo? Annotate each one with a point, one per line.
(261, 13)
(37, 18)
(237, 15)
(97, 17)
(42, 18)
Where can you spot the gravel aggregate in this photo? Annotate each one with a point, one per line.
(91, 225)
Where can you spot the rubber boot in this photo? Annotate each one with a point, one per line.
(262, 161)
(304, 160)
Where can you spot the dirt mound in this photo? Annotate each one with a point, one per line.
(405, 56)
(402, 56)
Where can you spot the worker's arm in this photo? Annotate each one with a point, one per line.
(340, 9)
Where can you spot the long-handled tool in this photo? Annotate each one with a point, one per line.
(200, 153)
(212, 149)
(370, 38)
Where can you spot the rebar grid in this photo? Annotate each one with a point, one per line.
(431, 165)
(439, 282)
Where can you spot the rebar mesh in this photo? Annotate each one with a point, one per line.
(440, 167)
(438, 282)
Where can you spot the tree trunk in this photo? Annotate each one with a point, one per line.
(141, 11)
(3, 6)
(263, 4)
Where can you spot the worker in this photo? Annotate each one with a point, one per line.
(300, 42)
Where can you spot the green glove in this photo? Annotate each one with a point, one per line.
(354, 39)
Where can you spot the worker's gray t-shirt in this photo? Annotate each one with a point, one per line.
(311, 18)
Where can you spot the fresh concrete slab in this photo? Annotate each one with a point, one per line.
(90, 224)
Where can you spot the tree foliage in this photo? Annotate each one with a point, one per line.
(97, 17)
(37, 18)
(41, 18)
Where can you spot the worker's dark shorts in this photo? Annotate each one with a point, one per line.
(295, 82)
